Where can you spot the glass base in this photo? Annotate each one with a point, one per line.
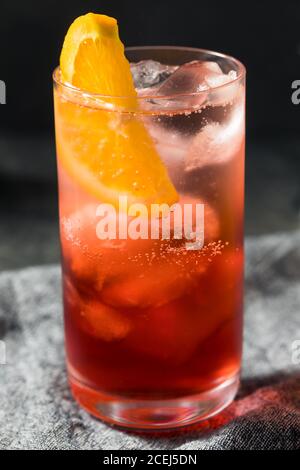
(155, 414)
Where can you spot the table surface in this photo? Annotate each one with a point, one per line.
(38, 403)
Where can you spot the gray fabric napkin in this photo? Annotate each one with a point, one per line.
(37, 411)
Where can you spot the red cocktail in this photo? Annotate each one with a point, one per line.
(151, 195)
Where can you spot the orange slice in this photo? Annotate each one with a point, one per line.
(93, 59)
(108, 151)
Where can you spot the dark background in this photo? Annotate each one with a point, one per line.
(265, 36)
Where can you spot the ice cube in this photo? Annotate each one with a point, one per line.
(226, 94)
(93, 260)
(211, 220)
(93, 317)
(171, 146)
(104, 322)
(155, 286)
(148, 73)
(198, 79)
(188, 79)
(218, 79)
(217, 143)
(187, 87)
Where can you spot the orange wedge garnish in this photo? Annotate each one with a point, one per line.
(109, 152)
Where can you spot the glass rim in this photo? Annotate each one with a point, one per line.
(241, 73)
